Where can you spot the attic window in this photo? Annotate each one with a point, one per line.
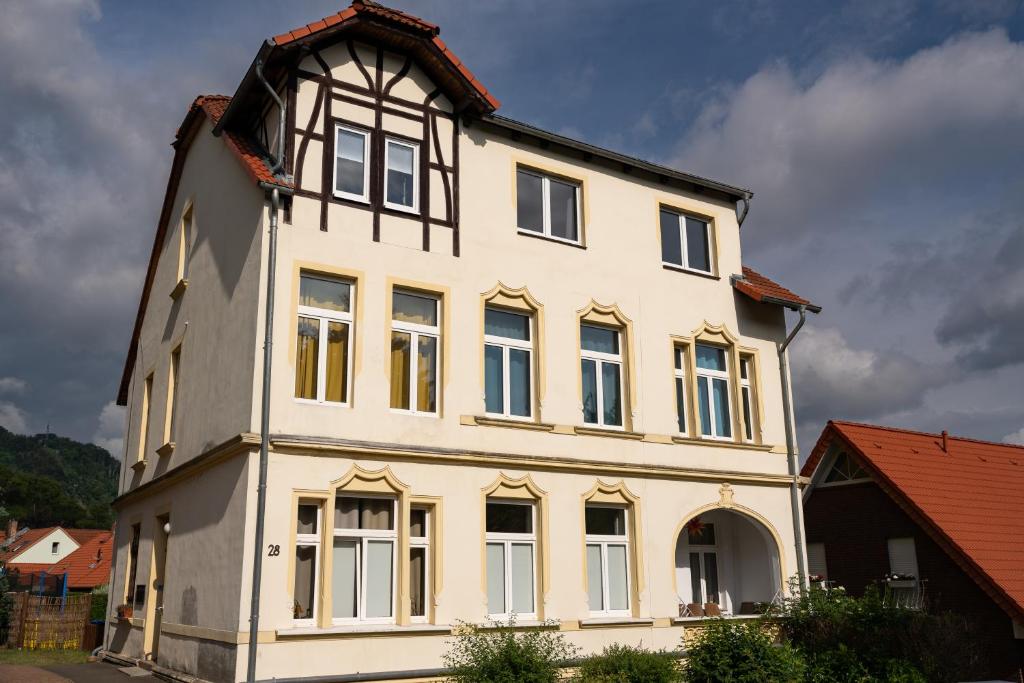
(55, 547)
(844, 470)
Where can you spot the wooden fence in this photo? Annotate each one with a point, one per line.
(40, 622)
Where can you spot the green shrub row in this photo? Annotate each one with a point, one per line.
(817, 637)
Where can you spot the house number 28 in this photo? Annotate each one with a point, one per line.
(273, 550)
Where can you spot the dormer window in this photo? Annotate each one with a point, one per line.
(351, 170)
(400, 175)
(686, 242)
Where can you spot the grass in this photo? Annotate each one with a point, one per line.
(42, 657)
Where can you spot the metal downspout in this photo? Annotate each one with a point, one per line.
(268, 353)
(794, 487)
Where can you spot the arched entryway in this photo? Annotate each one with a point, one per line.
(727, 562)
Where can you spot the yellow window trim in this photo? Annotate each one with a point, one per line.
(522, 301)
(444, 297)
(553, 169)
(681, 205)
(618, 494)
(523, 488)
(610, 316)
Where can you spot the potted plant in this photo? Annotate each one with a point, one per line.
(124, 612)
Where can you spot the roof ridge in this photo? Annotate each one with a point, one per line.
(903, 430)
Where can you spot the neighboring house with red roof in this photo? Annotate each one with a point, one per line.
(512, 372)
(937, 519)
(83, 554)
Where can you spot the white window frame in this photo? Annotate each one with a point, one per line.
(185, 241)
(415, 208)
(310, 540)
(422, 542)
(712, 375)
(599, 359)
(364, 536)
(604, 540)
(365, 196)
(505, 344)
(325, 317)
(701, 550)
(679, 359)
(415, 331)
(546, 206)
(685, 250)
(747, 407)
(508, 540)
(843, 482)
(55, 547)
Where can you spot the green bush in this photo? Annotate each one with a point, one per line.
(98, 604)
(625, 664)
(741, 652)
(500, 653)
(852, 639)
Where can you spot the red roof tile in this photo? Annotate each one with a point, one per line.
(249, 152)
(968, 496)
(761, 289)
(87, 567)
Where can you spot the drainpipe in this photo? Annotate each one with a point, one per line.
(794, 487)
(274, 193)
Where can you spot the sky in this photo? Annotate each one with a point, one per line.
(884, 142)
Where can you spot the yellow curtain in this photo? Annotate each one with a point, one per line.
(307, 349)
(426, 380)
(400, 369)
(337, 362)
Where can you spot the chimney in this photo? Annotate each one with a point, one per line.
(945, 441)
(12, 528)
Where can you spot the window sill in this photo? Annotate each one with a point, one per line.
(494, 421)
(608, 431)
(351, 197)
(411, 210)
(362, 630)
(519, 625)
(721, 443)
(166, 449)
(139, 465)
(598, 622)
(690, 271)
(549, 238)
(179, 288)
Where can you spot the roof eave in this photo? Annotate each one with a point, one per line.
(248, 79)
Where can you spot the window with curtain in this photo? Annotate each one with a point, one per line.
(601, 368)
(547, 205)
(419, 563)
(415, 346)
(713, 392)
(679, 354)
(147, 409)
(323, 339)
(747, 397)
(508, 363)
(133, 565)
(511, 549)
(400, 186)
(351, 167)
(363, 561)
(685, 241)
(173, 389)
(607, 542)
(307, 561)
(185, 244)
(702, 564)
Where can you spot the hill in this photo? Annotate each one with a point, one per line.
(48, 480)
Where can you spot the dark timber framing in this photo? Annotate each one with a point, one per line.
(377, 97)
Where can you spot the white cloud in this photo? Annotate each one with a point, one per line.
(1016, 438)
(863, 128)
(110, 431)
(12, 385)
(13, 418)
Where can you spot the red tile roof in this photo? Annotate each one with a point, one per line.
(968, 496)
(761, 289)
(24, 542)
(254, 159)
(87, 567)
(393, 15)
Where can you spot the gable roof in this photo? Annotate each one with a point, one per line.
(86, 567)
(27, 539)
(967, 497)
(762, 290)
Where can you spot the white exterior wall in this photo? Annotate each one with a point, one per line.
(41, 552)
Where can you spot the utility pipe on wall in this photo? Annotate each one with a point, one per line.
(794, 486)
